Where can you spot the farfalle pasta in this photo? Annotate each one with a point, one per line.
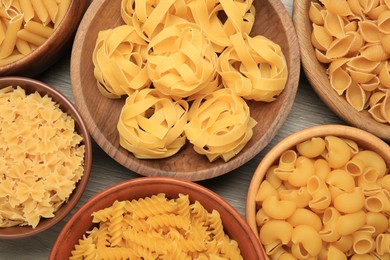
(353, 38)
(219, 125)
(25, 25)
(253, 67)
(181, 61)
(119, 60)
(341, 210)
(41, 157)
(186, 50)
(151, 125)
(157, 227)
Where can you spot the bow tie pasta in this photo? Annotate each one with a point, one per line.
(189, 50)
(41, 157)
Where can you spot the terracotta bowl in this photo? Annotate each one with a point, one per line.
(101, 114)
(31, 85)
(234, 224)
(53, 48)
(316, 74)
(364, 140)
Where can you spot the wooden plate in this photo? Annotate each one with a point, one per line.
(101, 114)
(316, 74)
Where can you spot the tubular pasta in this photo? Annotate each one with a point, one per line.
(339, 210)
(126, 234)
(29, 21)
(151, 125)
(219, 125)
(254, 68)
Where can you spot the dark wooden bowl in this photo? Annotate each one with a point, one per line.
(101, 114)
(49, 52)
(31, 85)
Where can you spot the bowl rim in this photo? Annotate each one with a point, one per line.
(67, 107)
(168, 182)
(361, 136)
(144, 169)
(59, 34)
(310, 64)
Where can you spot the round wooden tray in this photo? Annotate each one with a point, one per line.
(316, 74)
(101, 114)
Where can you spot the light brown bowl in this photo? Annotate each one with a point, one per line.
(31, 85)
(234, 224)
(101, 114)
(49, 52)
(316, 74)
(364, 140)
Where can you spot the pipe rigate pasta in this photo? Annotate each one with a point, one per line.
(160, 231)
(344, 204)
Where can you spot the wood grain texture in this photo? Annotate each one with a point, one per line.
(316, 74)
(101, 114)
(54, 47)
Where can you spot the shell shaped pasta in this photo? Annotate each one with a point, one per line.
(340, 8)
(356, 97)
(340, 80)
(384, 22)
(384, 75)
(334, 24)
(385, 107)
(375, 52)
(370, 31)
(320, 38)
(316, 14)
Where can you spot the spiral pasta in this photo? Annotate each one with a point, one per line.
(353, 38)
(128, 234)
(340, 211)
(219, 125)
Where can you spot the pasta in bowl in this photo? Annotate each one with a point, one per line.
(34, 34)
(157, 217)
(46, 157)
(168, 67)
(345, 56)
(327, 188)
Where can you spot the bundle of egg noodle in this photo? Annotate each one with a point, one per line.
(187, 69)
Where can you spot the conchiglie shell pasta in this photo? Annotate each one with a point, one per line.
(374, 13)
(356, 97)
(334, 24)
(386, 42)
(369, 31)
(376, 113)
(321, 39)
(338, 7)
(384, 75)
(384, 22)
(385, 107)
(375, 52)
(316, 13)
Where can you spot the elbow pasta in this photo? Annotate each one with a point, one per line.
(155, 228)
(200, 52)
(25, 25)
(353, 39)
(341, 211)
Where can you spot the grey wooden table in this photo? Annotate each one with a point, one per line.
(308, 110)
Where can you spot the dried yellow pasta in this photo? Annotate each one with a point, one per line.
(41, 157)
(342, 210)
(162, 232)
(219, 124)
(253, 67)
(151, 125)
(32, 21)
(353, 37)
